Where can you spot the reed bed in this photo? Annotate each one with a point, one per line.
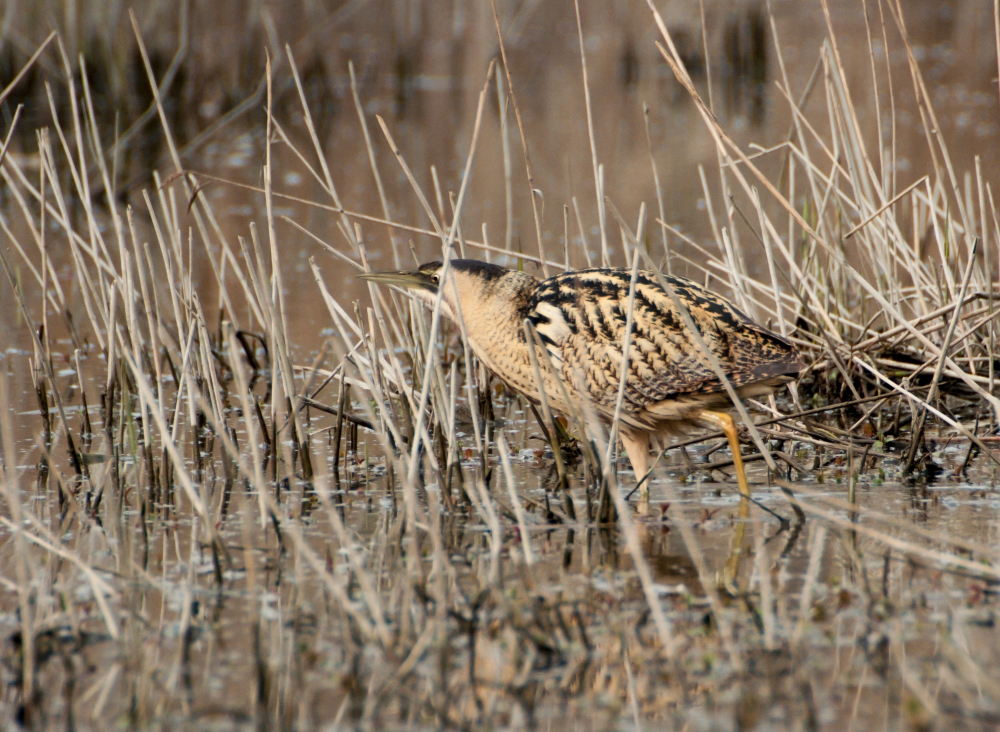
(218, 533)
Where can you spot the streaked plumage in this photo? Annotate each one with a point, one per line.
(581, 317)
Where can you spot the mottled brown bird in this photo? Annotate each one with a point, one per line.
(581, 316)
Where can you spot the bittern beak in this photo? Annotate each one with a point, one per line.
(408, 280)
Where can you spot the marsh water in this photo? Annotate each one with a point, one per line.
(421, 67)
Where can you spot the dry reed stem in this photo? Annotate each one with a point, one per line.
(503, 448)
(524, 142)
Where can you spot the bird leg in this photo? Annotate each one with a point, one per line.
(725, 423)
(636, 444)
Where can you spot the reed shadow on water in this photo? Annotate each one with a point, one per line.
(244, 488)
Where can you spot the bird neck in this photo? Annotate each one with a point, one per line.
(494, 316)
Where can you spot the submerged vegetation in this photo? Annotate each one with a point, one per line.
(206, 525)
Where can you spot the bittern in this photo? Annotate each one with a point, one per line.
(580, 317)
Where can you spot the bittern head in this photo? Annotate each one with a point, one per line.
(423, 282)
(470, 279)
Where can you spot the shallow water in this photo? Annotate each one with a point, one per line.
(846, 651)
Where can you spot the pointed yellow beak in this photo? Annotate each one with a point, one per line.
(409, 280)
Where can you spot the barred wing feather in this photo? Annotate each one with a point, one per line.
(581, 318)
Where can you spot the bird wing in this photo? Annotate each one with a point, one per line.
(581, 318)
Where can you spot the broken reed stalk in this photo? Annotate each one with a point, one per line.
(343, 401)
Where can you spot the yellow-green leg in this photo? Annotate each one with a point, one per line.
(636, 444)
(724, 422)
